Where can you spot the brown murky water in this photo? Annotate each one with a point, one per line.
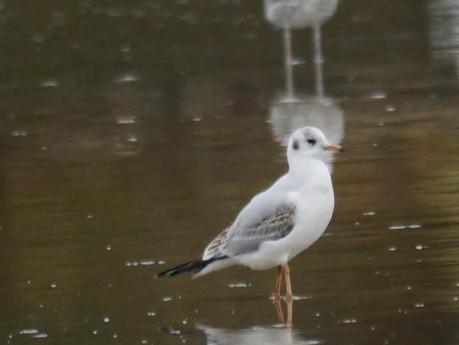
(132, 133)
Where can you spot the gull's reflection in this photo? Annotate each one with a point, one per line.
(286, 117)
(254, 335)
(299, 14)
(444, 30)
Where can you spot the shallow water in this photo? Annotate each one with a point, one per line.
(133, 133)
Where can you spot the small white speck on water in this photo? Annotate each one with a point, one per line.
(147, 262)
(109, 247)
(349, 321)
(127, 78)
(49, 83)
(239, 285)
(137, 263)
(106, 319)
(19, 133)
(144, 341)
(357, 223)
(132, 139)
(125, 48)
(161, 262)
(41, 335)
(53, 285)
(151, 314)
(419, 305)
(95, 332)
(392, 248)
(29, 282)
(373, 328)
(167, 299)
(457, 285)
(381, 124)
(115, 335)
(41, 306)
(300, 298)
(317, 314)
(312, 342)
(404, 227)
(27, 331)
(390, 108)
(455, 299)
(184, 322)
(369, 213)
(196, 311)
(174, 331)
(89, 216)
(126, 120)
(409, 287)
(419, 247)
(378, 95)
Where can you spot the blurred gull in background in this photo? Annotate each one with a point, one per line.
(444, 31)
(299, 14)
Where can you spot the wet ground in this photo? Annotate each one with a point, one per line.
(132, 133)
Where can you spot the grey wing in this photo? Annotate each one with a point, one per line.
(273, 227)
(214, 248)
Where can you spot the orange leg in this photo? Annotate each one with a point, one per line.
(278, 285)
(288, 284)
(288, 295)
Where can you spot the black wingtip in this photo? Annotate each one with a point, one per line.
(193, 265)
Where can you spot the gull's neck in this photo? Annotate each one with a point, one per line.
(308, 168)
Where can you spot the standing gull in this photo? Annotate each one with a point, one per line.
(281, 222)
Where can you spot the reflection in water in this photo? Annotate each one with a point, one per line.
(444, 30)
(285, 117)
(299, 14)
(287, 317)
(254, 335)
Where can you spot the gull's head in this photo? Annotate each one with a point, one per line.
(310, 142)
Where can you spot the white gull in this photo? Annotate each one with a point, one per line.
(280, 222)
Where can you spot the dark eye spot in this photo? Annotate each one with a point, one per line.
(295, 145)
(312, 141)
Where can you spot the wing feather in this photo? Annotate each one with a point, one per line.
(213, 249)
(273, 227)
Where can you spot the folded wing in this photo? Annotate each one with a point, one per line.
(232, 242)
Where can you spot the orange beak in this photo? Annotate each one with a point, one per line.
(334, 148)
